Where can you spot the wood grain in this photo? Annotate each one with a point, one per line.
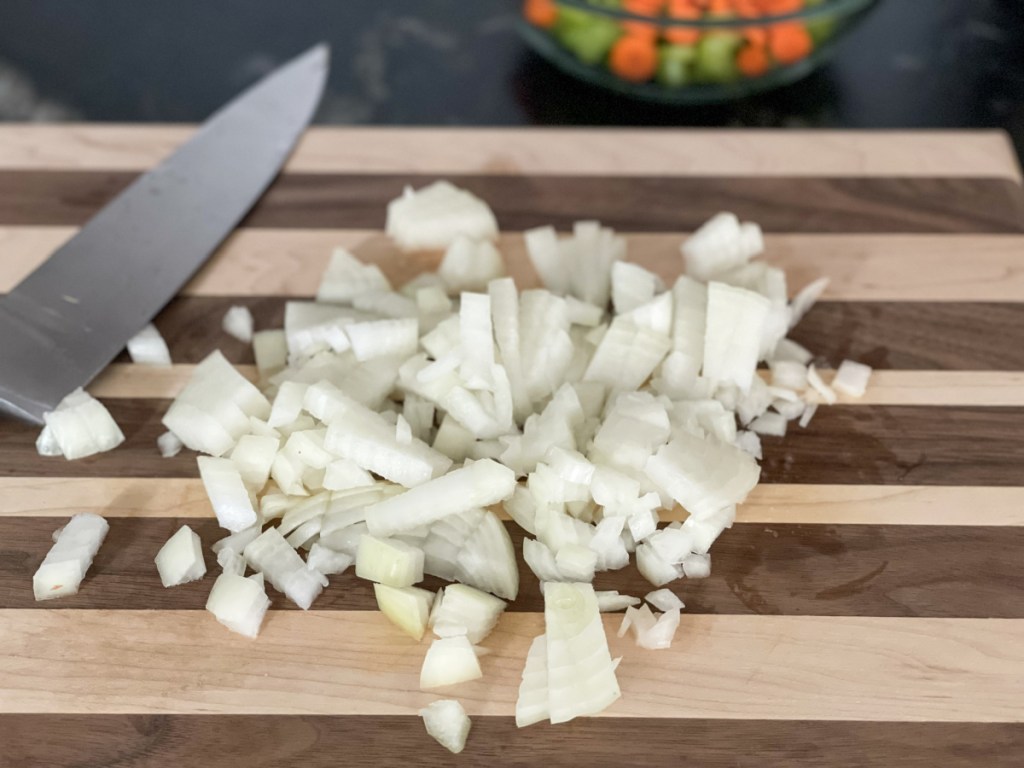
(845, 444)
(887, 387)
(354, 663)
(312, 741)
(52, 497)
(865, 267)
(965, 336)
(594, 151)
(779, 569)
(635, 203)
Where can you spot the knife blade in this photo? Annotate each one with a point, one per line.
(70, 317)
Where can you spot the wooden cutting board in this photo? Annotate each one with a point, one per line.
(867, 608)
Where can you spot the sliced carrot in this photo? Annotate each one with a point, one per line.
(789, 42)
(752, 61)
(541, 13)
(720, 7)
(634, 58)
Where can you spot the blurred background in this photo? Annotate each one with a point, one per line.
(905, 64)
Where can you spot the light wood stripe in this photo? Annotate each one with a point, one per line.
(768, 503)
(348, 663)
(271, 262)
(986, 388)
(538, 151)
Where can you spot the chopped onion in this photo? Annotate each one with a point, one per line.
(611, 601)
(237, 542)
(661, 633)
(449, 661)
(632, 286)
(79, 426)
(852, 378)
(721, 244)
(581, 677)
(769, 424)
(238, 603)
(70, 557)
(732, 337)
(477, 484)
(231, 562)
(169, 445)
(697, 566)
(343, 474)
(270, 349)
(818, 385)
(469, 265)
(464, 610)
(227, 493)
(434, 216)
(180, 559)
(274, 557)
(448, 723)
(532, 703)
(254, 456)
(381, 338)
(808, 415)
(405, 607)
(238, 322)
(148, 347)
(664, 600)
(346, 277)
(389, 561)
(806, 299)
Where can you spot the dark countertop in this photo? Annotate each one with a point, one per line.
(912, 64)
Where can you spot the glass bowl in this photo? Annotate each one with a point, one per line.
(689, 51)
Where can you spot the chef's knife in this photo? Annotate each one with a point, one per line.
(69, 318)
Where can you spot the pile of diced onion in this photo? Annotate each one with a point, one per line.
(391, 426)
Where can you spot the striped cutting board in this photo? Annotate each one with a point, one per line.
(868, 607)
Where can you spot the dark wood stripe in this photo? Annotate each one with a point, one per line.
(624, 202)
(144, 741)
(970, 336)
(822, 570)
(845, 444)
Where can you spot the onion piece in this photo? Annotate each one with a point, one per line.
(435, 215)
(270, 349)
(346, 277)
(405, 607)
(448, 723)
(808, 415)
(697, 566)
(632, 286)
(806, 299)
(169, 445)
(467, 611)
(180, 559)
(818, 385)
(238, 322)
(721, 244)
(70, 557)
(270, 554)
(660, 635)
(852, 378)
(227, 493)
(532, 702)
(703, 475)
(732, 337)
(469, 265)
(79, 426)
(664, 600)
(231, 562)
(389, 561)
(769, 424)
(238, 603)
(611, 601)
(254, 456)
(581, 677)
(148, 347)
(449, 661)
(477, 484)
